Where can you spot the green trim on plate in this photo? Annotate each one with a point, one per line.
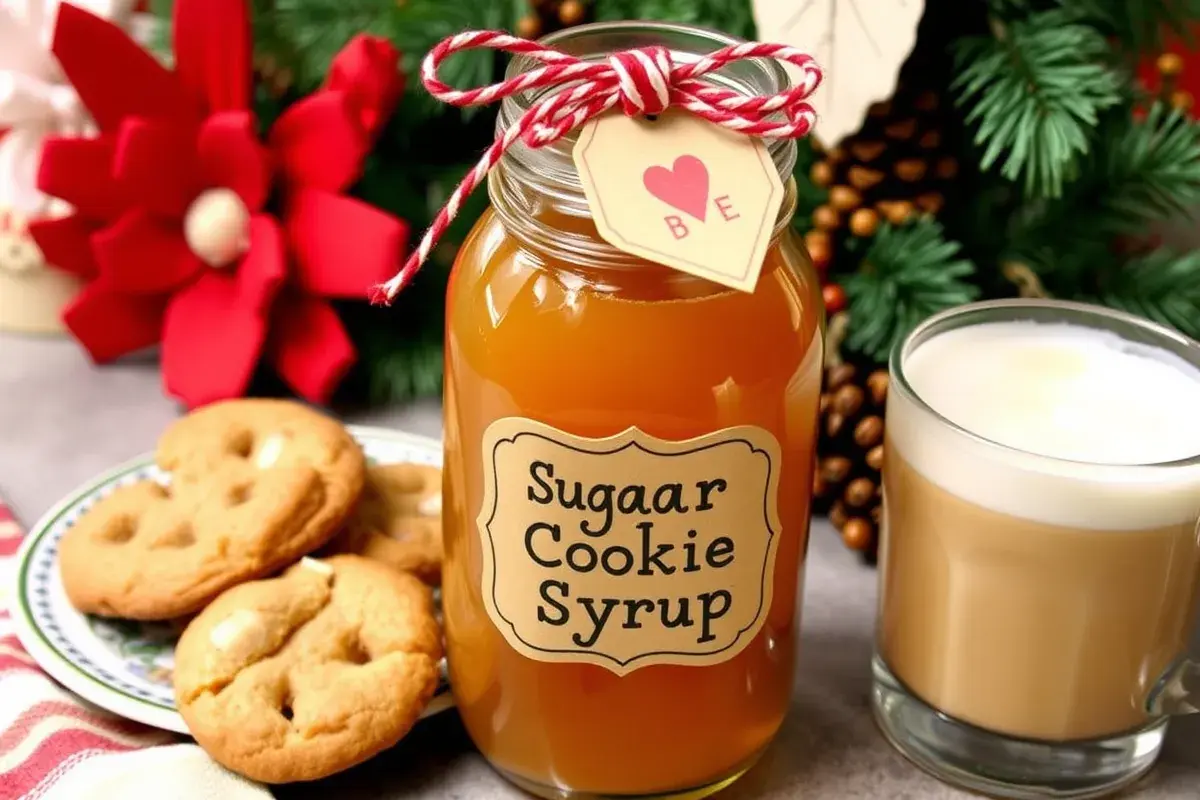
(39, 531)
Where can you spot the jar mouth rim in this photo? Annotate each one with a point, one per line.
(648, 24)
(552, 165)
(546, 176)
(777, 75)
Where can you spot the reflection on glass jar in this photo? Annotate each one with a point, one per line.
(660, 430)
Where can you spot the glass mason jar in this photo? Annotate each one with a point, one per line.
(551, 327)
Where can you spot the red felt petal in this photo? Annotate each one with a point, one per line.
(114, 76)
(211, 342)
(367, 70)
(109, 324)
(66, 243)
(156, 166)
(80, 172)
(212, 51)
(141, 255)
(231, 156)
(308, 346)
(264, 267)
(317, 142)
(340, 246)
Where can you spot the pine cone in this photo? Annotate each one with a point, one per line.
(846, 483)
(897, 165)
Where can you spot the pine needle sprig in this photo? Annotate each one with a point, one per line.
(730, 16)
(400, 348)
(1140, 172)
(317, 29)
(907, 274)
(404, 369)
(1162, 285)
(1010, 9)
(1035, 92)
(1138, 24)
(1151, 167)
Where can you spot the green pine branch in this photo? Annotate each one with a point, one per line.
(907, 274)
(1007, 9)
(730, 16)
(1139, 172)
(404, 368)
(1151, 167)
(317, 29)
(400, 348)
(1139, 25)
(1034, 93)
(1162, 285)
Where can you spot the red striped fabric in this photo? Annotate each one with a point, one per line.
(19, 730)
(51, 752)
(13, 663)
(45, 731)
(10, 532)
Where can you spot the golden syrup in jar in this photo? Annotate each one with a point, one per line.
(582, 355)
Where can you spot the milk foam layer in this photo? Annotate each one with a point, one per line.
(1068, 392)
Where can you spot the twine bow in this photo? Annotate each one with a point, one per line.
(642, 81)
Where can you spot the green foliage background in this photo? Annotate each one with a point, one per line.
(1058, 168)
(1067, 168)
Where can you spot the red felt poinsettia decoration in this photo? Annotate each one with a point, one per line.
(224, 246)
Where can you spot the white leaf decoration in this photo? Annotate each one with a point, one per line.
(860, 44)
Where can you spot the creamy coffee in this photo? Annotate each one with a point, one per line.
(1035, 581)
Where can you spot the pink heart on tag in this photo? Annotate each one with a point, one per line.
(684, 187)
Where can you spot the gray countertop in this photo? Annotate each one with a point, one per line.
(62, 421)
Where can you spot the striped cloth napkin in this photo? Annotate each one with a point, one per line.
(55, 746)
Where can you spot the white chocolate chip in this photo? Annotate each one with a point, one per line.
(268, 454)
(319, 567)
(241, 630)
(431, 506)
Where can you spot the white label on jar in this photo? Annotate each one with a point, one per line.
(631, 550)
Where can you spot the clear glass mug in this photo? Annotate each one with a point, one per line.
(1034, 612)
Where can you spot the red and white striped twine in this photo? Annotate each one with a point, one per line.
(641, 81)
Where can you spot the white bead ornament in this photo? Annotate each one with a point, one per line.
(216, 227)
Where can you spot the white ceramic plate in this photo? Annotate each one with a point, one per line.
(121, 665)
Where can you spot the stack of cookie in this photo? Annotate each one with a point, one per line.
(313, 642)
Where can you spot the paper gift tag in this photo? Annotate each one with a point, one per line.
(683, 192)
